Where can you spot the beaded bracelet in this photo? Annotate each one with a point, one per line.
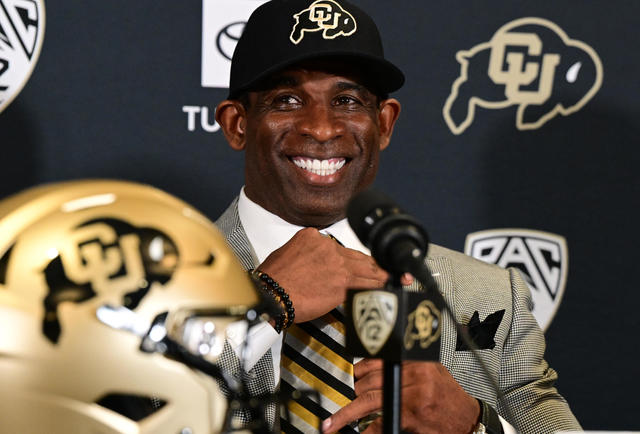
(285, 319)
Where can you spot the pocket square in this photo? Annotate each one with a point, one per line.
(481, 333)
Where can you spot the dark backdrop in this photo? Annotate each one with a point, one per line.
(107, 95)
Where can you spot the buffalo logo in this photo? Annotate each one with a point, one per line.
(21, 35)
(325, 15)
(540, 256)
(374, 317)
(423, 325)
(106, 256)
(530, 63)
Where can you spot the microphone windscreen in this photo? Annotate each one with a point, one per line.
(362, 205)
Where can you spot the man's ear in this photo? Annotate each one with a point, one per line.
(231, 116)
(388, 115)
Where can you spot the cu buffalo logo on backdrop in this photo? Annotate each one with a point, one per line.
(542, 258)
(21, 35)
(530, 63)
(325, 15)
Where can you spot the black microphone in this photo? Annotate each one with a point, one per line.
(397, 240)
(399, 244)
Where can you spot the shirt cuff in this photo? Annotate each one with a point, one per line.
(506, 426)
(259, 340)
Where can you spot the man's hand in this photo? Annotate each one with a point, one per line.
(316, 272)
(432, 401)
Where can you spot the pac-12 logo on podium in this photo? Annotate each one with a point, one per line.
(542, 258)
(374, 318)
(21, 35)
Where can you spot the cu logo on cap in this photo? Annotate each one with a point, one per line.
(325, 15)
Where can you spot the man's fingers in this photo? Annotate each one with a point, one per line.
(358, 408)
(374, 427)
(365, 266)
(371, 381)
(409, 424)
(364, 283)
(365, 366)
(406, 279)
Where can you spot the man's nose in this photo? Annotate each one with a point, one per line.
(320, 123)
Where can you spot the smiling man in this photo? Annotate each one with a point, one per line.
(309, 107)
(313, 136)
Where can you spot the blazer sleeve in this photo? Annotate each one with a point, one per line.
(526, 380)
(259, 380)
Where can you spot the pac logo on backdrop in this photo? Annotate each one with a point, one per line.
(530, 63)
(222, 24)
(542, 257)
(21, 35)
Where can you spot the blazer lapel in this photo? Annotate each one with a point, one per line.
(443, 274)
(231, 227)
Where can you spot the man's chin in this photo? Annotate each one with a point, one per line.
(318, 217)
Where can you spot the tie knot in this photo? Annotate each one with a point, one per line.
(328, 235)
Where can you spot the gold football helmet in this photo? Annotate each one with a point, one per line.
(108, 290)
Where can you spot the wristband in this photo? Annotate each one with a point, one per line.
(489, 420)
(267, 284)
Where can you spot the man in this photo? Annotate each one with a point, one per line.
(308, 105)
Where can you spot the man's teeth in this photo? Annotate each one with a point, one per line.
(320, 167)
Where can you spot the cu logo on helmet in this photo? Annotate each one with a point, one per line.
(106, 256)
(541, 257)
(529, 63)
(21, 35)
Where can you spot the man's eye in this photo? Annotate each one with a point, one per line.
(285, 99)
(346, 100)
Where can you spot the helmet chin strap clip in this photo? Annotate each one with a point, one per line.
(155, 339)
(122, 318)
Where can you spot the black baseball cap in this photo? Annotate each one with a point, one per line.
(281, 33)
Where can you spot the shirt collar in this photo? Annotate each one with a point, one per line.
(267, 232)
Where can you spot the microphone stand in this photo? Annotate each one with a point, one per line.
(392, 370)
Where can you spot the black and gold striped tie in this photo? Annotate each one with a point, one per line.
(314, 357)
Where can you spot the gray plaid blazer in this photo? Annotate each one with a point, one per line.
(516, 362)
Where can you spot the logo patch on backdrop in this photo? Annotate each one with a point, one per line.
(325, 15)
(21, 35)
(530, 63)
(542, 258)
(222, 24)
(374, 316)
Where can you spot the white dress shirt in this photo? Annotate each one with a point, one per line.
(268, 232)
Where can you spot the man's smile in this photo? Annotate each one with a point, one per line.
(326, 167)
